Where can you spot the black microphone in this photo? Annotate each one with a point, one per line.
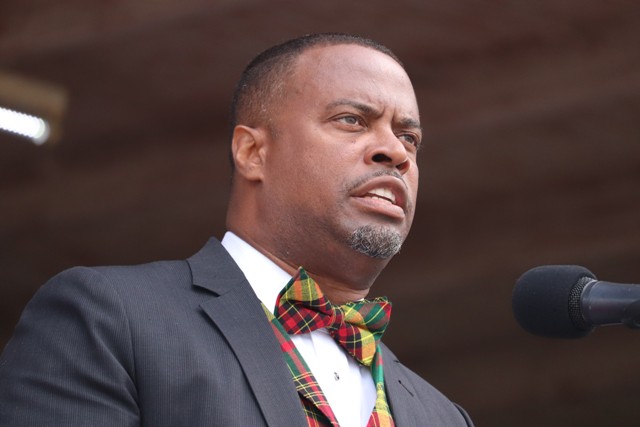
(567, 301)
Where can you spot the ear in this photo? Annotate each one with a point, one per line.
(248, 149)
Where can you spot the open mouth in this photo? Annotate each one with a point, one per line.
(382, 194)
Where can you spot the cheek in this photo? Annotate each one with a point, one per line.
(412, 179)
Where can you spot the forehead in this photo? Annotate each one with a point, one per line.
(350, 71)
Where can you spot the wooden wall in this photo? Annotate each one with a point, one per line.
(532, 157)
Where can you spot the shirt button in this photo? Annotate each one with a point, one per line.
(336, 376)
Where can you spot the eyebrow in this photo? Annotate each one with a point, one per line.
(408, 122)
(365, 108)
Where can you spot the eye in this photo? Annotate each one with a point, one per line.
(410, 138)
(350, 120)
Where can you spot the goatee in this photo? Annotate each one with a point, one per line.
(376, 242)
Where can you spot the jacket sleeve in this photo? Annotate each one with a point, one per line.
(70, 359)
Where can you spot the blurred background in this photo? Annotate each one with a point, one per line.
(531, 157)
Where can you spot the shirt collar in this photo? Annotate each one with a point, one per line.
(264, 276)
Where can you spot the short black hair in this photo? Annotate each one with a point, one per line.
(268, 72)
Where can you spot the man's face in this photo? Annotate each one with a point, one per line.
(340, 169)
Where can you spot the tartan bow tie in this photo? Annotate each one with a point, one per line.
(356, 326)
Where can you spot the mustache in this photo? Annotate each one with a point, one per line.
(365, 178)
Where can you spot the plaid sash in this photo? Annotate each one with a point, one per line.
(314, 403)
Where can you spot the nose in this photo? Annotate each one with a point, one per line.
(387, 149)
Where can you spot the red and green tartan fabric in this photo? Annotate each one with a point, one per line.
(356, 326)
(315, 405)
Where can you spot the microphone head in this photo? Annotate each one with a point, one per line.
(546, 301)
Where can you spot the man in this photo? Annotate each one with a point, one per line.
(325, 136)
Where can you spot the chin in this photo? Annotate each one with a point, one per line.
(376, 241)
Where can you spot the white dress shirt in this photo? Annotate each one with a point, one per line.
(347, 385)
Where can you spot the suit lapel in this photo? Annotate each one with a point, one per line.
(408, 408)
(400, 393)
(237, 313)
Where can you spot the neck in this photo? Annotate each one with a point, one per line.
(337, 292)
(349, 279)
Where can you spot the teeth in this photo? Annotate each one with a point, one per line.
(383, 193)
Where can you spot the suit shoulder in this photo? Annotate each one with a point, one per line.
(125, 275)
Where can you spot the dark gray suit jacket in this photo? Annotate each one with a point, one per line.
(172, 343)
